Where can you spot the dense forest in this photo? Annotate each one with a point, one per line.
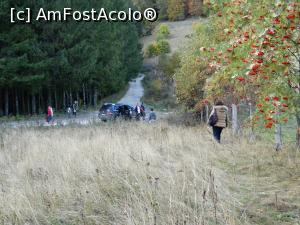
(57, 63)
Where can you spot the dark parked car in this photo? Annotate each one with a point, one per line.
(112, 111)
(126, 112)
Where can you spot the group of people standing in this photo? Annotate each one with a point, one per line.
(140, 112)
(218, 118)
(71, 110)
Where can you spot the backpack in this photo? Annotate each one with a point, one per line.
(213, 119)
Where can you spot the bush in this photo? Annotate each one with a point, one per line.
(163, 32)
(159, 92)
(193, 7)
(163, 47)
(152, 50)
(163, 8)
(176, 10)
(169, 64)
(158, 48)
(204, 11)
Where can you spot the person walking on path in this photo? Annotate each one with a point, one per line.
(218, 119)
(143, 111)
(152, 116)
(75, 108)
(49, 114)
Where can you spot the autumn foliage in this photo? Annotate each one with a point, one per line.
(254, 47)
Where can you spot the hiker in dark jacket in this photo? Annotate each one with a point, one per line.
(143, 111)
(138, 110)
(75, 108)
(218, 119)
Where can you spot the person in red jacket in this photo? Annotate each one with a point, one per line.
(49, 114)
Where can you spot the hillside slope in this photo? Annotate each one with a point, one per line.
(179, 31)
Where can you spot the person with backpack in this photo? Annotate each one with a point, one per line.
(218, 119)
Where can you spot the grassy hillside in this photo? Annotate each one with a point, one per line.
(144, 174)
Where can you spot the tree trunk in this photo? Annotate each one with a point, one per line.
(95, 97)
(1, 103)
(278, 137)
(28, 104)
(84, 99)
(77, 97)
(91, 94)
(55, 100)
(6, 104)
(17, 104)
(252, 135)
(235, 125)
(49, 98)
(278, 134)
(23, 102)
(298, 131)
(71, 98)
(64, 100)
(40, 103)
(202, 115)
(33, 104)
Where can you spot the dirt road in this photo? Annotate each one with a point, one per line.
(134, 93)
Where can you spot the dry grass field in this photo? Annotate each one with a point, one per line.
(151, 174)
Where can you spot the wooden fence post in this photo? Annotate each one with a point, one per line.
(252, 135)
(207, 113)
(235, 126)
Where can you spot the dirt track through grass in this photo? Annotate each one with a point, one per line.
(143, 174)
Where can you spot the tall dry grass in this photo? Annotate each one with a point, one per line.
(135, 174)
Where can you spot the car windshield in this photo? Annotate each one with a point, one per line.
(106, 107)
